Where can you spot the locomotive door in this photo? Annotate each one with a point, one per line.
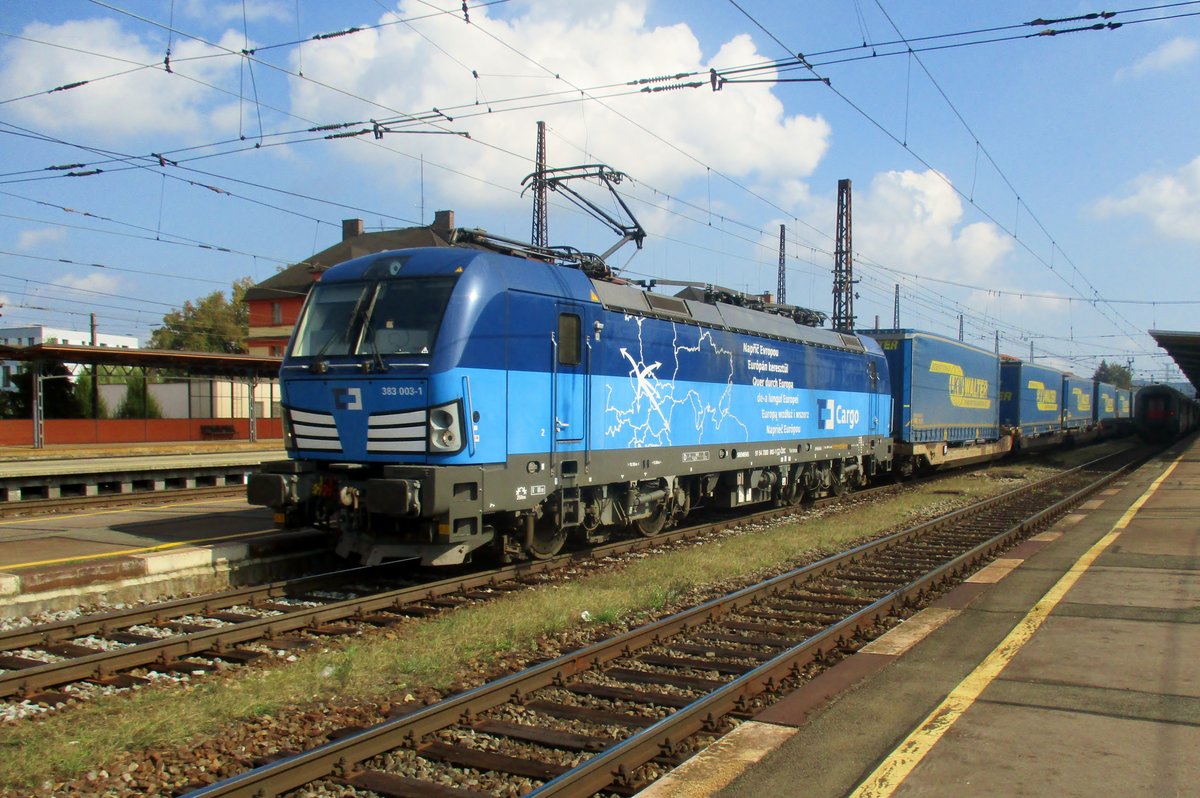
(873, 402)
(570, 378)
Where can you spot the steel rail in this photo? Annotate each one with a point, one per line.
(62, 631)
(603, 769)
(102, 664)
(39, 507)
(341, 758)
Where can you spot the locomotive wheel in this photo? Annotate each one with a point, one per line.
(652, 525)
(547, 539)
(791, 494)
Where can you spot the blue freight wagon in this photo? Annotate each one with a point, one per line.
(1077, 402)
(1124, 411)
(1104, 405)
(1124, 405)
(945, 398)
(1030, 398)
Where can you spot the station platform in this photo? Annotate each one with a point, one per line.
(1065, 668)
(129, 553)
(20, 454)
(93, 470)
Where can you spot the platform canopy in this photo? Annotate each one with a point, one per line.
(209, 364)
(251, 368)
(1184, 349)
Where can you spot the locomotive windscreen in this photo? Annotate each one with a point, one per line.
(372, 318)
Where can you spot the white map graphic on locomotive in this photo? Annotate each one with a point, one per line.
(649, 412)
(737, 390)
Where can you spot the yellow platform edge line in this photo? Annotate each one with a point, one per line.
(896, 767)
(142, 550)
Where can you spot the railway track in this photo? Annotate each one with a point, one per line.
(612, 717)
(55, 663)
(69, 504)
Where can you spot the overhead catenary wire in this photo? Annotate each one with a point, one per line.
(813, 228)
(925, 162)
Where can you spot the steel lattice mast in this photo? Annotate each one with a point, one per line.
(541, 224)
(781, 289)
(843, 263)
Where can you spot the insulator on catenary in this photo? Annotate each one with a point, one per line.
(658, 79)
(335, 34)
(654, 89)
(67, 86)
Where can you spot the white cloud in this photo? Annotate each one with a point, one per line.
(225, 13)
(664, 139)
(144, 102)
(31, 240)
(913, 222)
(94, 281)
(1171, 201)
(1176, 52)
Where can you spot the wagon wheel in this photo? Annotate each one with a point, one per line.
(547, 538)
(653, 524)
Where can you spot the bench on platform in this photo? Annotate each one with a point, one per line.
(212, 432)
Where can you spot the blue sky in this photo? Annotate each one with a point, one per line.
(1045, 187)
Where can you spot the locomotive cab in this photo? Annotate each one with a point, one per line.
(373, 402)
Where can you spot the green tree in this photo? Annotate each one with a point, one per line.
(209, 324)
(138, 402)
(83, 392)
(1113, 374)
(59, 397)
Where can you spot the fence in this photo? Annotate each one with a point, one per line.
(67, 431)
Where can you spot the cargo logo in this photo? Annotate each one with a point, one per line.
(1110, 404)
(965, 391)
(347, 398)
(1047, 398)
(1083, 400)
(830, 415)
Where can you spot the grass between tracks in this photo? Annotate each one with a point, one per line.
(435, 653)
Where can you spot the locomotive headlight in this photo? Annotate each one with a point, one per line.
(289, 435)
(445, 434)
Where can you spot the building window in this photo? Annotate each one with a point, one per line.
(276, 351)
(276, 313)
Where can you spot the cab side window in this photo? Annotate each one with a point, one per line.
(570, 344)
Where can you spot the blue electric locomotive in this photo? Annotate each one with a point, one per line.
(438, 402)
